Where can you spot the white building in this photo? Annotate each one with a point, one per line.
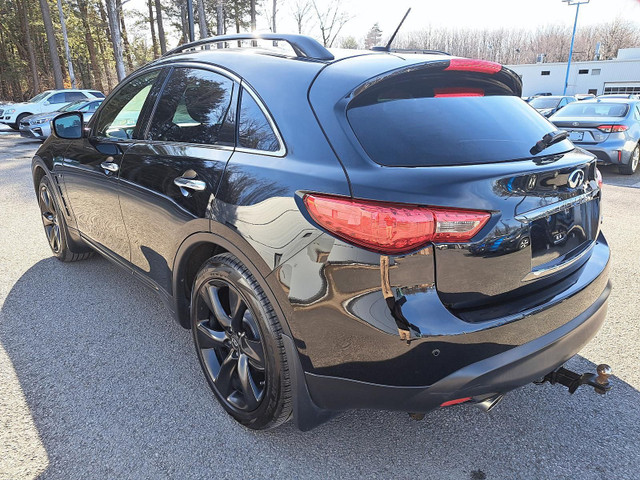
(621, 75)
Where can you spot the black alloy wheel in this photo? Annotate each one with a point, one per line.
(238, 340)
(49, 214)
(230, 345)
(55, 227)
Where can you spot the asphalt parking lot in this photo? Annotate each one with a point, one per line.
(98, 381)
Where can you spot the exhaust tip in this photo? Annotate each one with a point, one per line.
(488, 403)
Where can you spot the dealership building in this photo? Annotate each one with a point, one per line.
(620, 75)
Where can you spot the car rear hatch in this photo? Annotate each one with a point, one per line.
(454, 134)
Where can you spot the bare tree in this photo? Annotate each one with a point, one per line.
(24, 19)
(331, 20)
(302, 9)
(202, 20)
(252, 12)
(53, 45)
(161, 37)
(116, 38)
(219, 19)
(152, 26)
(274, 11)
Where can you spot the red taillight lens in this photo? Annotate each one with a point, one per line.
(613, 128)
(470, 65)
(598, 178)
(392, 228)
(458, 92)
(455, 402)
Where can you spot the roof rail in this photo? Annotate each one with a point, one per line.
(302, 45)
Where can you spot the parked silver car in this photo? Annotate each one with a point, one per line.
(607, 127)
(39, 127)
(548, 105)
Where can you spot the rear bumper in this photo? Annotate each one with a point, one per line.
(615, 153)
(497, 374)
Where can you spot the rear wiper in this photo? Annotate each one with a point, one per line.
(548, 140)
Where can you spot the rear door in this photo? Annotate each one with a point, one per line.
(169, 179)
(91, 166)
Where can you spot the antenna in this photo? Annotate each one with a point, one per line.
(387, 48)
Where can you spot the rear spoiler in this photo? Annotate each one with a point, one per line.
(470, 68)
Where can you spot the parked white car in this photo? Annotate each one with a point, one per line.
(47, 101)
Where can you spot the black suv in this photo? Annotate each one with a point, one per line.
(373, 230)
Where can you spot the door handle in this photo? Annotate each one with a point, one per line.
(190, 183)
(110, 167)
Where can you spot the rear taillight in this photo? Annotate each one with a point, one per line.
(458, 92)
(613, 128)
(471, 65)
(392, 228)
(598, 178)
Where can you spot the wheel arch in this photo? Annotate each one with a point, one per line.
(198, 248)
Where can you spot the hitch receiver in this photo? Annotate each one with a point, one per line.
(572, 380)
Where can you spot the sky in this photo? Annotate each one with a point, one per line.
(526, 14)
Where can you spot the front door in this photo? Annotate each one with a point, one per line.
(168, 181)
(91, 166)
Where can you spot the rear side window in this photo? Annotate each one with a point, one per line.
(254, 130)
(97, 94)
(195, 107)
(595, 109)
(74, 96)
(409, 124)
(57, 98)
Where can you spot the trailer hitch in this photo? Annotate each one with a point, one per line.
(572, 380)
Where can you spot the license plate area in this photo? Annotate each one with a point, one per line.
(576, 136)
(564, 234)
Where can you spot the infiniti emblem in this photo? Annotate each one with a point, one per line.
(575, 124)
(575, 179)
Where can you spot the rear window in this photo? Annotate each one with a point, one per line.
(544, 102)
(600, 109)
(424, 130)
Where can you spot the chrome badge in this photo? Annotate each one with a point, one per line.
(576, 178)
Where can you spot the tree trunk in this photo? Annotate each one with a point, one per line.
(161, 37)
(105, 51)
(95, 73)
(202, 20)
(53, 45)
(152, 25)
(252, 9)
(116, 38)
(219, 20)
(65, 39)
(24, 18)
(125, 39)
(275, 10)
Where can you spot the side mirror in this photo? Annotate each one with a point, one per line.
(68, 125)
(46, 102)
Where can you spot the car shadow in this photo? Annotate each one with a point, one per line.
(115, 391)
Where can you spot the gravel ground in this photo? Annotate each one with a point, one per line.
(98, 381)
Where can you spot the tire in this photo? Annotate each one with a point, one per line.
(631, 167)
(238, 339)
(54, 224)
(16, 125)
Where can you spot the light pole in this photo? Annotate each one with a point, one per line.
(577, 3)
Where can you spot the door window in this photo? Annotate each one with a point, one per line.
(120, 115)
(195, 107)
(254, 130)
